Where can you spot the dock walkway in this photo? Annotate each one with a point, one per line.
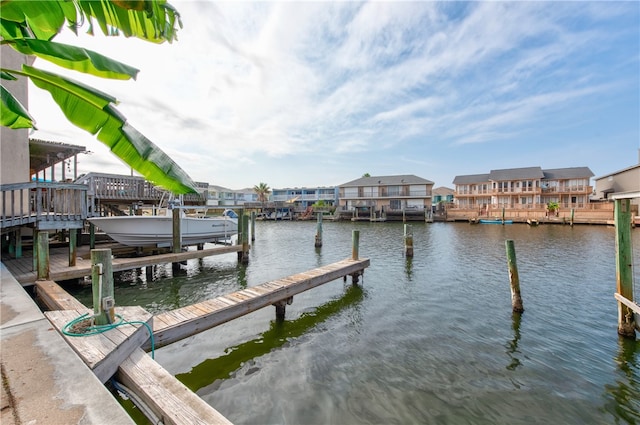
(59, 269)
(174, 325)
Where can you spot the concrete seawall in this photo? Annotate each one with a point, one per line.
(43, 380)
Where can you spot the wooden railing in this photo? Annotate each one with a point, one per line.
(46, 206)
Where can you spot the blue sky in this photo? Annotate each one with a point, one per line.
(297, 94)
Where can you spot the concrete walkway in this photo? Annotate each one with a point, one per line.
(43, 380)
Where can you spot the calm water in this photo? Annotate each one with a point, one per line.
(429, 340)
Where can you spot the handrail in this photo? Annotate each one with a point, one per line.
(46, 205)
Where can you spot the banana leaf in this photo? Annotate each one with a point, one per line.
(76, 58)
(12, 113)
(94, 111)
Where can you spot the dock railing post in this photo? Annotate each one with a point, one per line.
(514, 279)
(624, 266)
(318, 243)
(408, 240)
(42, 255)
(102, 286)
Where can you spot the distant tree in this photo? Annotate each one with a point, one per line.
(262, 190)
(366, 175)
(29, 27)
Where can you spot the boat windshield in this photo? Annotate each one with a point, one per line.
(230, 214)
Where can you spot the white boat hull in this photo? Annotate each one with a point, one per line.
(158, 230)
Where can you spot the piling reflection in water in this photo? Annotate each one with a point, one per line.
(621, 399)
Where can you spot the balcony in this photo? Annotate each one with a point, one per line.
(44, 206)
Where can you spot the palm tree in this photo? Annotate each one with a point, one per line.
(30, 26)
(263, 191)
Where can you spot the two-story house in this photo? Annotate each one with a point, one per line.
(523, 188)
(379, 195)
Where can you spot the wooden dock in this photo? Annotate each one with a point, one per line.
(23, 271)
(168, 399)
(174, 325)
(121, 352)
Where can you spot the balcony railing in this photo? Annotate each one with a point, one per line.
(388, 194)
(45, 206)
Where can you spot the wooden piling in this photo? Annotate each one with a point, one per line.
(177, 233)
(318, 243)
(245, 238)
(92, 235)
(102, 286)
(253, 226)
(624, 266)
(408, 240)
(355, 244)
(42, 255)
(573, 211)
(514, 280)
(73, 249)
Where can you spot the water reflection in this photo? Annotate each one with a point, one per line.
(210, 371)
(512, 346)
(623, 397)
(408, 268)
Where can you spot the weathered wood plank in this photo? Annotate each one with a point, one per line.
(165, 395)
(104, 352)
(168, 397)
(230, 306)
(56, 298)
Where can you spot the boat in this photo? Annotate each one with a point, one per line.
(495, 221)
(157, 230)
(532, 222)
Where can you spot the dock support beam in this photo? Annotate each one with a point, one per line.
(514, 279)
(281, 307)
(42, 255)
(624, 265)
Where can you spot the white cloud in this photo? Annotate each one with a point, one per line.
(251, 85)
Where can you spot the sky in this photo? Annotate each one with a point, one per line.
(306, 94)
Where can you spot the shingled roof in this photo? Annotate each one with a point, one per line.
(533, 173)
(568, 173)
(387, 181)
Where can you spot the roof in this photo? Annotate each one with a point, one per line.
(567, 173)
(387, 181)
(534, 173)
(44, 154)
(471, 178)
(443, 191)
(624, 170)
(516, 174)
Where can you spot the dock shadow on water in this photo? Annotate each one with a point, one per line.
(209, 374)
